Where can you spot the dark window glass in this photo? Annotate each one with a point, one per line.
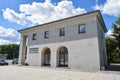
(62, 32)
(34, 36)
(47, 57)
(81, 28)
(63, 57)
(46, 34)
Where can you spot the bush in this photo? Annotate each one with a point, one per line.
(116, 56)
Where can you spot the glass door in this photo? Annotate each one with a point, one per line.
(63, 57)
(47, 58)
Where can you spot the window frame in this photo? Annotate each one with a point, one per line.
(45, 35)
(34, 36)
(79, 31)
(60, 31)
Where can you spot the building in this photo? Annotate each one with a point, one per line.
(76, 42)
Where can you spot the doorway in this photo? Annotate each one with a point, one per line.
(46, 61)
(63, 57)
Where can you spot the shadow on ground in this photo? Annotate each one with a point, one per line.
(113, 67)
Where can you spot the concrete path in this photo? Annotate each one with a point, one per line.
(37, 73)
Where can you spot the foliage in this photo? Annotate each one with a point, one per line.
(113, 43)
(12, 50)
(116, 31)
(116, 56)
(111, 46)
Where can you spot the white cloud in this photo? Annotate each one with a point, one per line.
(8, 36)
(110, 32)
(111, 7)
(38, 13)
(12, 16)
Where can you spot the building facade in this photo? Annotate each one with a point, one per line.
(77, 42)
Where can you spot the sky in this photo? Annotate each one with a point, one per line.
(20, 14)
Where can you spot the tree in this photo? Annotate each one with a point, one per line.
(12, 50)
(113, 43)
(116, 32)
(111, 46)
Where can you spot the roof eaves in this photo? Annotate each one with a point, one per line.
(103, 21)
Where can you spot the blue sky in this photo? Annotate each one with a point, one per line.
(19, 14)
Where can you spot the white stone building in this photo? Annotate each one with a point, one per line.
(76, 42)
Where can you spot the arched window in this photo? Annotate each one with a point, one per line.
(63, 57)
(46, 56)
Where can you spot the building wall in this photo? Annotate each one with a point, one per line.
(79, 56)
(83, 48)
(102, 46)
(71, 32)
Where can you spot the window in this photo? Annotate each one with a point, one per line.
(34, 36)
(47, 57)
(62, 32)
(46, 34)
(63, 57)
(81, 28)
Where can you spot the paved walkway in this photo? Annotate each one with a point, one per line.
(37, 73)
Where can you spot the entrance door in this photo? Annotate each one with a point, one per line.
(63, 57)
(47, 57)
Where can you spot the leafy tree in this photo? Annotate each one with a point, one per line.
(111, 46)
(12, 50)
(113, 43)
(116, 31)
(116, 56)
